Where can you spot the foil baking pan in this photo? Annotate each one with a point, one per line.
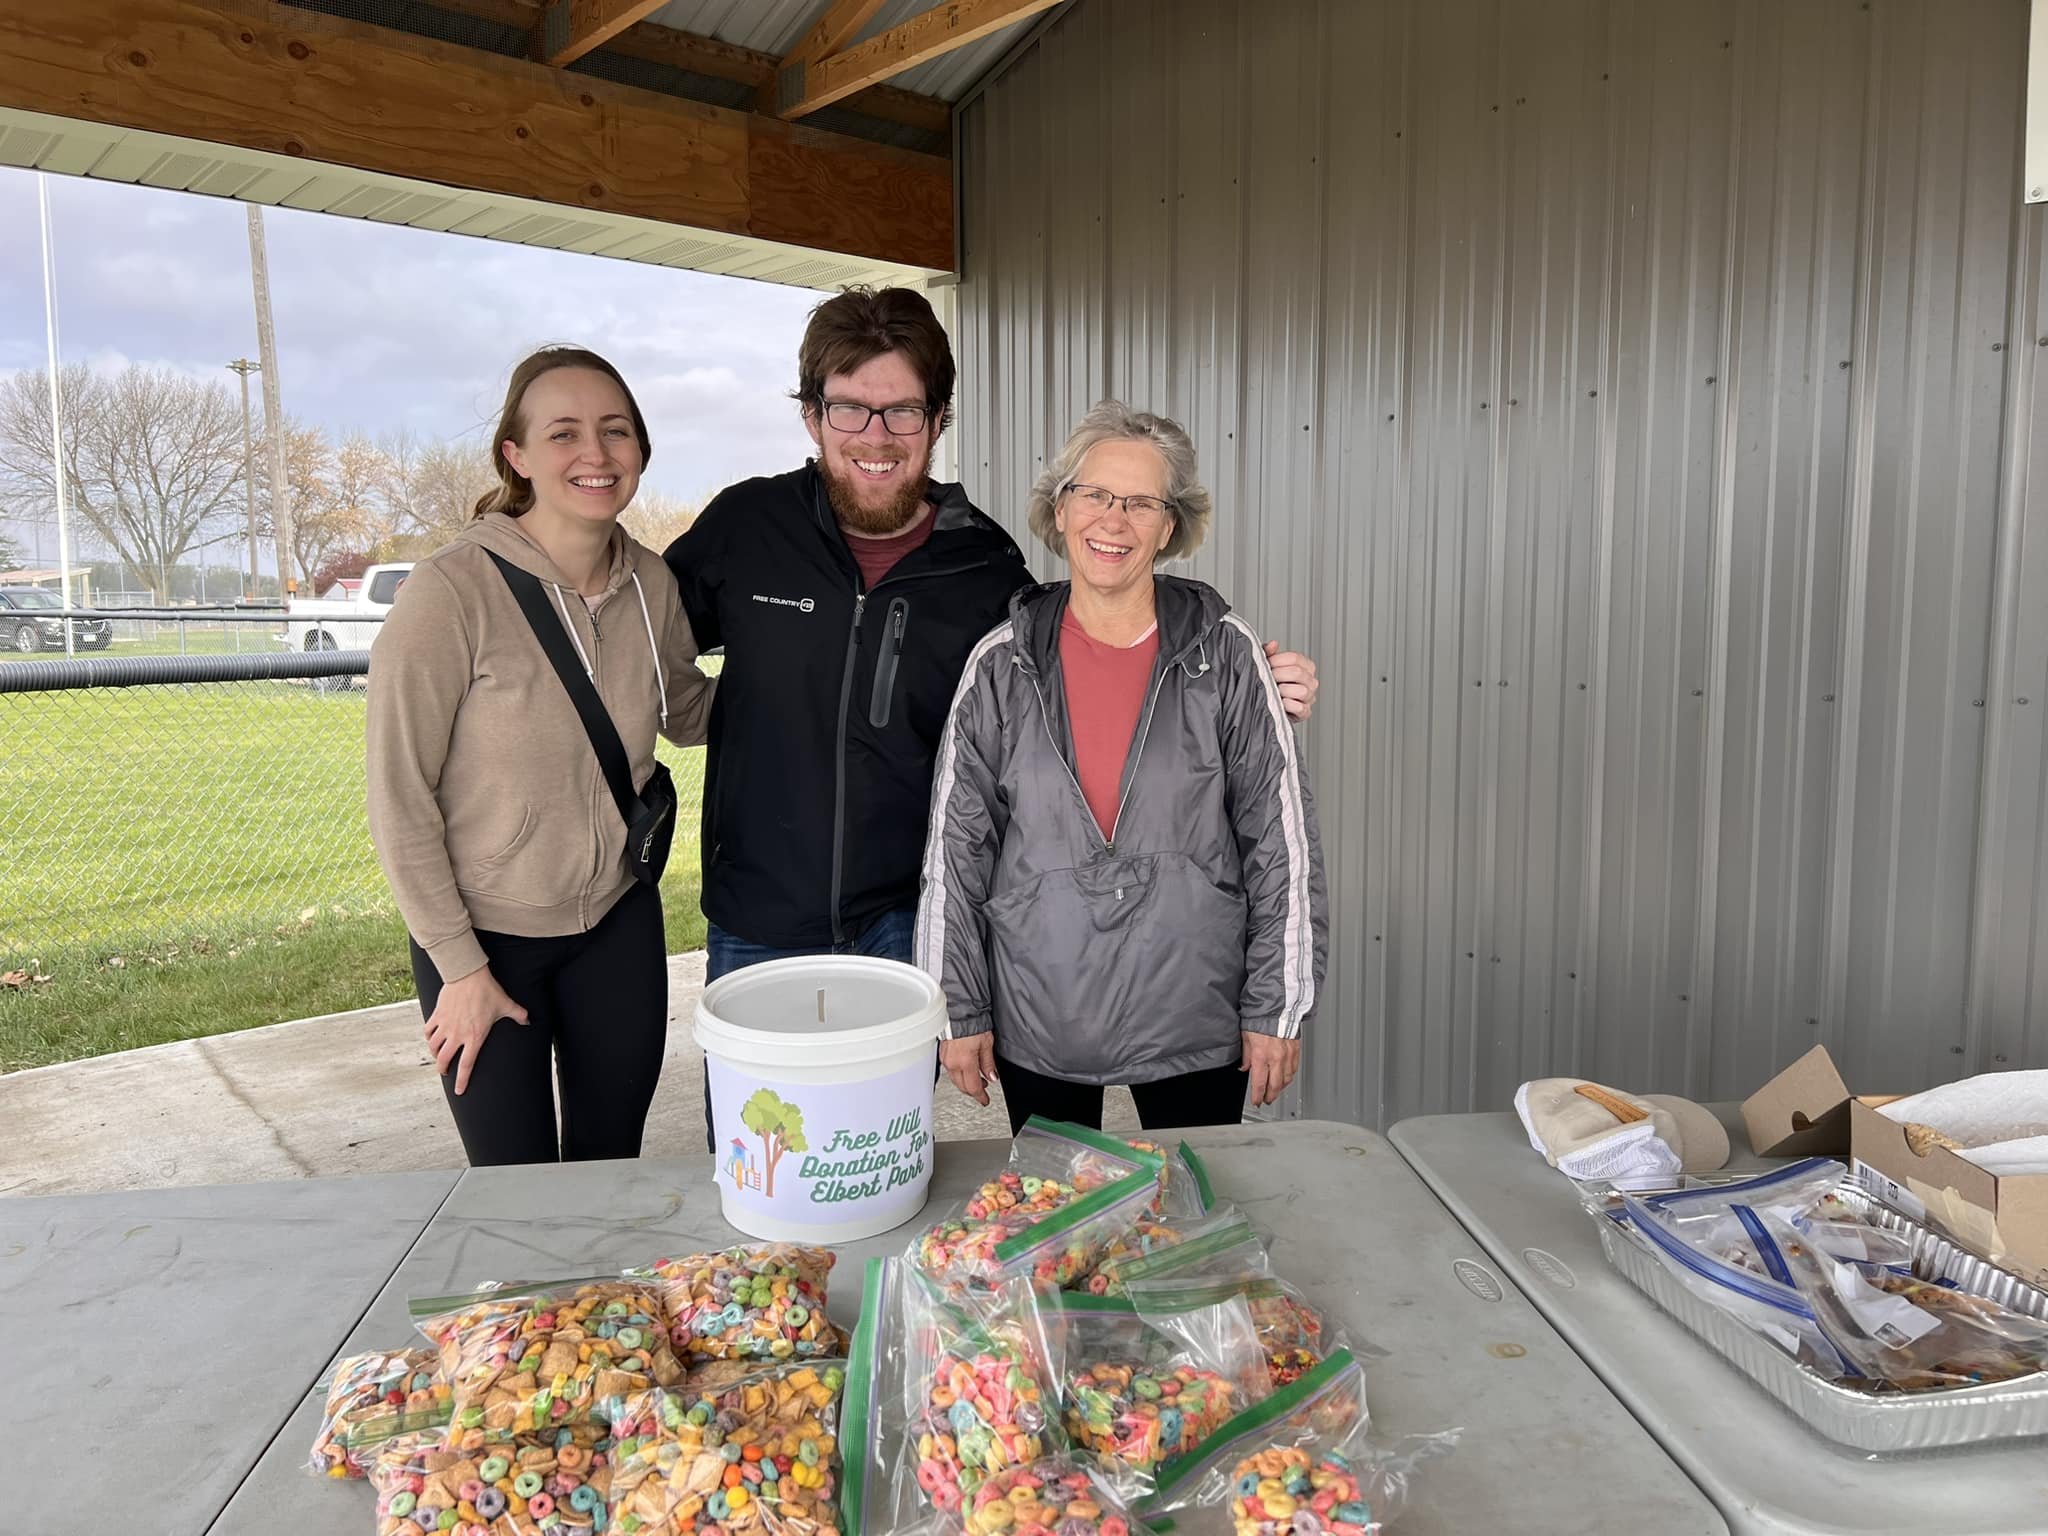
(1878, 1423)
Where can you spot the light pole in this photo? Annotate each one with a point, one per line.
(273, 403)
(244, 367)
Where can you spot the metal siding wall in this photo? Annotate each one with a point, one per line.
(1614, 398)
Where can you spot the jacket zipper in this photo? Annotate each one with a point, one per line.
(860, 603)
(885, 665)
(1137, 751)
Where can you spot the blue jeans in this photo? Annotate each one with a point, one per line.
(888, 937)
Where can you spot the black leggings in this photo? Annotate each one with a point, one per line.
(1211, 1097)
(597, 1013)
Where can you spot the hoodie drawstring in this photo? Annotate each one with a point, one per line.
(646, 620)
(660, 682)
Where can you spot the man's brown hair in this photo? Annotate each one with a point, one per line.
(858, 325)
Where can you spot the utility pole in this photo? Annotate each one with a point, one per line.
(273, 404)
(244, 367)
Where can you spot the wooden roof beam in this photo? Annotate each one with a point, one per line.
(653, 43)
(569, 29)
(295, 82)
(802, 88)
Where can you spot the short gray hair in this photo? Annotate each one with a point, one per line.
(1112, 421)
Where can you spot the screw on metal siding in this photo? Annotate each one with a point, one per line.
(1998, 346)
(1503, 682)
(1710, 378)
(2023, 701)
(1843, 363)
(1572, 975)
(1827, 698)
(1813, 1023)
(1514, 402)
(1582, 687)
(1955, 1050)
(1998, 1061)
(1592, 394)
(1697, 692)
(1976, 703)
(1683, 998)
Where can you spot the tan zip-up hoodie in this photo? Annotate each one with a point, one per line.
(487, 805)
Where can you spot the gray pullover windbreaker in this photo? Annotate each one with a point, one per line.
(1145, 955)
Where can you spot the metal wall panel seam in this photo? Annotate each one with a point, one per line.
(1493, 384)
(1700, 1019)
(1996, 774)
(1856, 568)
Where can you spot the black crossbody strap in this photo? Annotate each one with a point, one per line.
(597, 724)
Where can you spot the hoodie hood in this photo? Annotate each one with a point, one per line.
(501, 534)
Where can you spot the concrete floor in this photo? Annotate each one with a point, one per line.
(348, 1093)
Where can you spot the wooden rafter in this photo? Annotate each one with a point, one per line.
(294, 82)
(569, 29)
(655, 44)
(836, 28)
(802, 88)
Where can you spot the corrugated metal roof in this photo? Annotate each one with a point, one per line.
(1627, 406)
(776, 26)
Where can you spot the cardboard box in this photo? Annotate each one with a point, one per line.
(1802, 1112)
(1807, 1110)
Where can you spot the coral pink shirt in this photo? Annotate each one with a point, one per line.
(1105, 686)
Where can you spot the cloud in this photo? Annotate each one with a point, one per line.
(382, 328)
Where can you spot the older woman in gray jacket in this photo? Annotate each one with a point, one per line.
(1123, 881)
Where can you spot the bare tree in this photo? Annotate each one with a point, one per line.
(13, 553)
(429, 490)
(152, 458)
(657, 520)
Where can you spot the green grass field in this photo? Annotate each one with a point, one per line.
(165, 642)
(183, 861)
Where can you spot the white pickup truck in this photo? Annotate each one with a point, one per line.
(344, 617)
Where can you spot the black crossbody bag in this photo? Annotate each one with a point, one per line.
(650, 815)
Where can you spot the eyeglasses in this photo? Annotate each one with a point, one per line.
(1141, 510)
(852, 416)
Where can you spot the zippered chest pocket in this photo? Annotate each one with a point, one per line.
(894, 624)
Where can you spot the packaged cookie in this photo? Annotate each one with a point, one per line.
(371, 1398)
(524, 1359)
(748, 1303)
(1066, 1195)
(760, 1455)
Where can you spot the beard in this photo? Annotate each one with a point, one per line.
(895, 515)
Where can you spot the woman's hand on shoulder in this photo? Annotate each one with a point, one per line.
(1272, 1063)
(463, 1016)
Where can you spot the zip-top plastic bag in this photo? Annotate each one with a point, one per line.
(761, 1455)
(1054, 1496)
(541, 1486)
(1901, 1333)
(1302, 1463)
(1732, 1279)
(1065, 1195)
(1133, 1395)
(371, 1398)
(1151, 1238)
(1185, 1191)
(751, 1302)
(527, 1357)
(939, 1400)
(1802, 1193)
(1228, 1248)
(1292, 1333)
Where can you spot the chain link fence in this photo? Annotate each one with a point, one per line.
(194, 804)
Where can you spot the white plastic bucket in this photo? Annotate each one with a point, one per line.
(821, 1094)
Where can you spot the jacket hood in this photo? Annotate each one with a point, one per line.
(1189, 613)
(501, 534)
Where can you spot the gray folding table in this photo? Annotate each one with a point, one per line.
(1545, 1446)
(1761, 1465)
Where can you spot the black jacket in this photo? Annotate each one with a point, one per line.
(827, 717)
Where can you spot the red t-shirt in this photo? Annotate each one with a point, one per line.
(877, 557)
(1105, 686)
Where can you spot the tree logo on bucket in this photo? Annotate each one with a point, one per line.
(779, 1124)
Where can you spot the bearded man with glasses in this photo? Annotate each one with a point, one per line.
(847, 595)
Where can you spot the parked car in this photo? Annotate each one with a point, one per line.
(344, 618)
(32, 620)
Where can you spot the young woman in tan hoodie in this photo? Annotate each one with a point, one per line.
(537, 954)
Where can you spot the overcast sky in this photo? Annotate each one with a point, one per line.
(381, 328)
